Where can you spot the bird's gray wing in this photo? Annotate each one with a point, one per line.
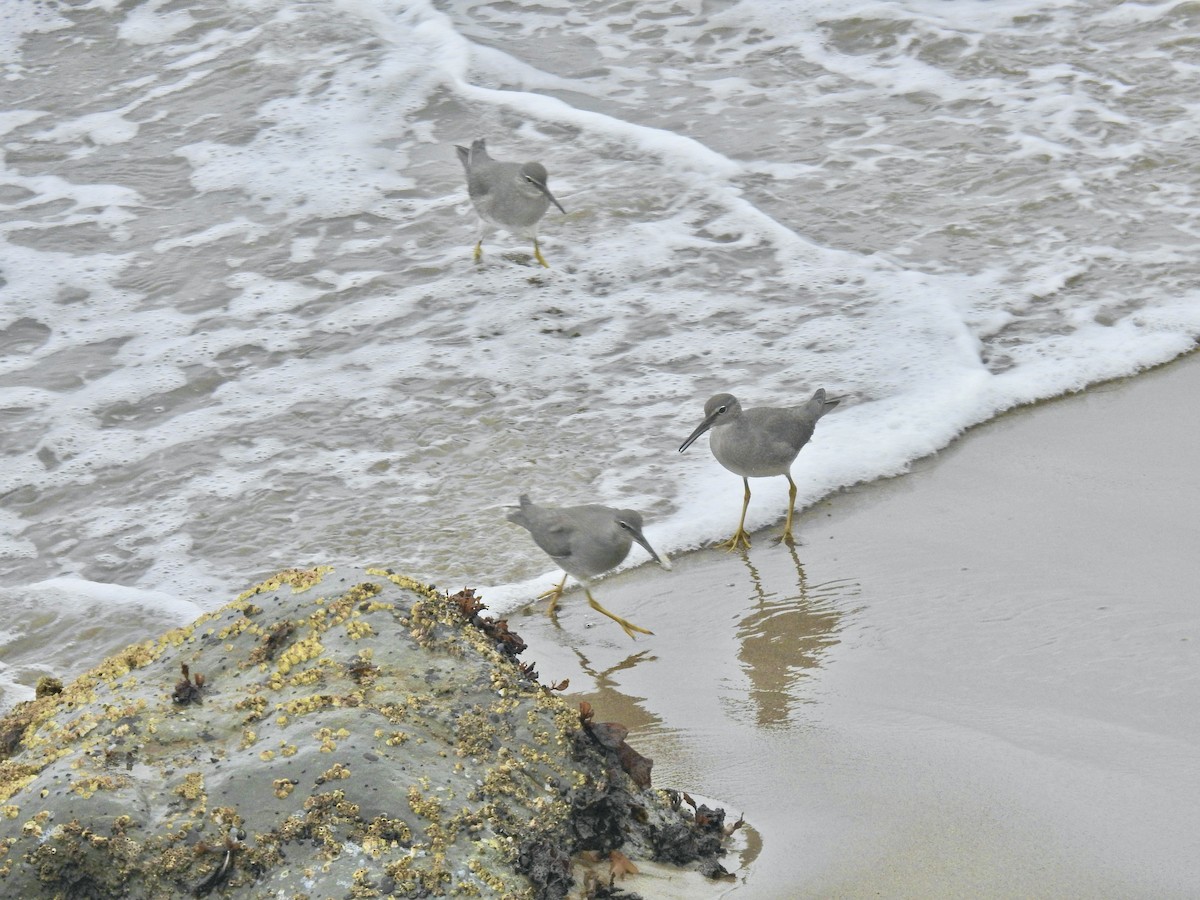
(551, 530)
(782, 431)
(477, 185)
(795, 426)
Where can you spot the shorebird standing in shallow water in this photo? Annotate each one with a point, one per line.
(585, 541)
(758, 443)
(513, 196)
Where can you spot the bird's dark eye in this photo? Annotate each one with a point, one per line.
(530, 180)
(624, 525)
(721, 410)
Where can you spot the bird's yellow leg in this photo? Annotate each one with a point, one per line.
(629, 627)
(740, 538)
(537, 254)
(787, 528)
(554, 595)
(478, 250)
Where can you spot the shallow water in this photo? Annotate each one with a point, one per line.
(240, 327)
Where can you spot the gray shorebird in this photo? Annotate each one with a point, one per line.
(585, 541)
(758, 443)
(512, 196)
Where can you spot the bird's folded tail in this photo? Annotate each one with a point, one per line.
(477, 153)
(818, 405)
(517, 515)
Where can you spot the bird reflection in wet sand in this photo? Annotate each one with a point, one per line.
(784, 639)
(608, 692)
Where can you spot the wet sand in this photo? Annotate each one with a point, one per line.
(980, 679)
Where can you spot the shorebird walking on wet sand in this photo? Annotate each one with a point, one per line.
(513, 196)
(585, 541)
(758, 443)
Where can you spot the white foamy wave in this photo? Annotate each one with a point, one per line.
(80, 595)
(24, 19)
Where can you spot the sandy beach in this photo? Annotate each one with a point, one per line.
(978, 679)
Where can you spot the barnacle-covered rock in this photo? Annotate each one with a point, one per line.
(349, 734)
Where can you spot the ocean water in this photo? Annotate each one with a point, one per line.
(241, 328)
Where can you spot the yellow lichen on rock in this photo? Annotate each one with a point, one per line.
(403, 581)
(358, 630)
(283, 787)
(192, 788)
(326, 737)
(85, 787)
(336, 772)
(236, 627)
(298, 653)
(300, 580)
(14, 777)
(255, 705)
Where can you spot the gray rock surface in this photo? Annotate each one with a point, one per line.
(329, 733)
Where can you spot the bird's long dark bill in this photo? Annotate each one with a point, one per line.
(700, 429)
(546, 190)
(637, 536)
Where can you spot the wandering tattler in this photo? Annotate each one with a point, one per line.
(756, 443)
(585, 541)
(513, 196)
